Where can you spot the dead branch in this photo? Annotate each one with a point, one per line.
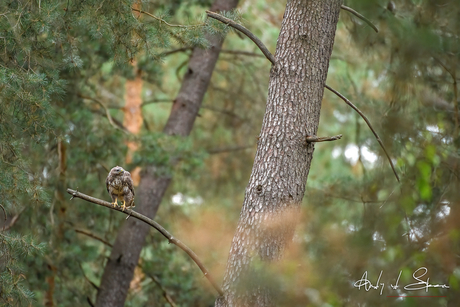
(156, 101)
(228, 51)
(163, 21)
(165, 293)
(259, 43)
(202, 107)
(158, 282)
(153, 277)
(91, 235)
(217, 110)
(183, 49)
(454, 84)
(313, 138)
(4, 211)
(368, 124)
(271, 58)
(155, 225)
(227, 149)
(87, 279)
(246, 32)
(349, 9)
(241, 52)
(12, 221)
(107, 113)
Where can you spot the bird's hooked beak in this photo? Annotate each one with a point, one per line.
(118, 170)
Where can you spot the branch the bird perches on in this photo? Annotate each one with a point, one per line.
(155, 225)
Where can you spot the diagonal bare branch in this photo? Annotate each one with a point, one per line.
(12, 220)
(87, 279)
(271, 58)
(454, 84)
(107, 113)
(349, 9)
(246, 32)
(4, 211)
(227, 51)
(163, 21)
(348, 102)
(153, 277)
(155, 225)
(158, 282)
(91, 235)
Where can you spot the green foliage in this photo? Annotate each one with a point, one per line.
(163, 151)
(15, 249)
(53, 53)
(403, 83)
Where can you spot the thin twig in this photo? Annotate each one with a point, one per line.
(4, 211)
(12, 221)
(155, 225)
(329, 194)
(163, 21)
(225, 112)
(165, 293)
(107, 112)
(227, 149)
(452, 74)
(156, 101)
(91, 235)
(11, 164)
(386, 200)
(271, 58)
(315, 139)
(228, 51)
(368, 124)
(183, 49)
(241, 52)
(158, 282)
(346, 8)
(87, 279)
(172, 100)
(246, 32)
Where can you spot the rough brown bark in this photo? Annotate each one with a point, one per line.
(131, 237)
(279, 175)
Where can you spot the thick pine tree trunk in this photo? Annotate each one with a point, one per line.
(131, 237)
(279, 175)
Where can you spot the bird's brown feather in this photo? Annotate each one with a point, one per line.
(120, 185)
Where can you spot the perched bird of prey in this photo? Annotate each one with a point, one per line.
(120, 185)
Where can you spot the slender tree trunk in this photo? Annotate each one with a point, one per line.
(279, 175)
(131, 237)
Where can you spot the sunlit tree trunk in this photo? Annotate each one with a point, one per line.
(131, 236)
(132, 117)
(279, 175)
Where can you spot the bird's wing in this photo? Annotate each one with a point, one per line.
(127, 180)
(107, 183)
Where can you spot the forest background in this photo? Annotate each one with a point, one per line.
(68, 70)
